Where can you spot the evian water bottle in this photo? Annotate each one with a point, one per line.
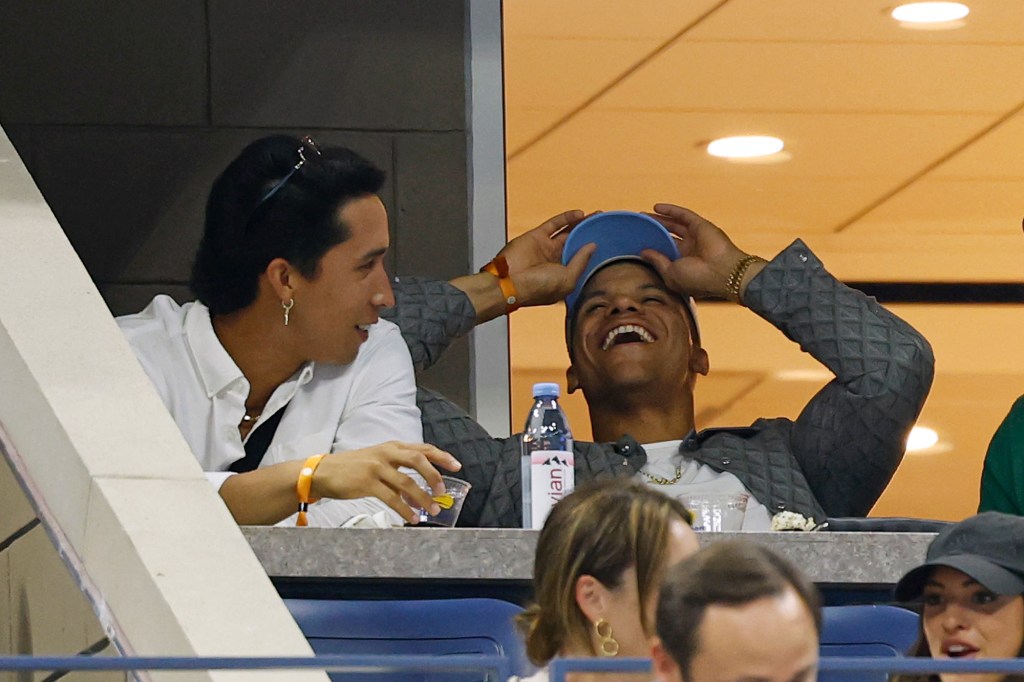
(547, 459)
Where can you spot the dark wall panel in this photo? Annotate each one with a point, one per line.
(103, 61)
(386, 64)
(110, 104)
(128, 197)
(134, 211)
(433, 211)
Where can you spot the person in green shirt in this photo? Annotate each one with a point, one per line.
(1002, 480)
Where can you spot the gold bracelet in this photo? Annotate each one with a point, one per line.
(499, 268)
(732, 284)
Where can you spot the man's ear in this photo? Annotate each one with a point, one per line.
(281, 278)
(571, 382)
(665, 667)
(699, 362)
(591, 597)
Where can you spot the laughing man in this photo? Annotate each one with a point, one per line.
(635, 352)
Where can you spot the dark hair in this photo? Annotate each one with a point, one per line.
(600, 529)
(298, 222)
(732, 573)
(922, 650)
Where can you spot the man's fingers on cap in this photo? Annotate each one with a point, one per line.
(675, 228)
(559, 222)
(655, 258)
(682, 215)
(579, 261)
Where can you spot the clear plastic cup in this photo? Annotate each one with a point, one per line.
(716, 512)
(451, 502)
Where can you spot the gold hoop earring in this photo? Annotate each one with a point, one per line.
(287, 309)
(608, 646)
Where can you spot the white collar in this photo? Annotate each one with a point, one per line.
(216, 369)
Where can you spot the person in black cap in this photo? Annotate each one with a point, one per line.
(971, 586)
(636, 355)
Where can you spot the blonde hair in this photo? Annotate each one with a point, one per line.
(600, 530)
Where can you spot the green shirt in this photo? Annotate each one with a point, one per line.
(1002, 480)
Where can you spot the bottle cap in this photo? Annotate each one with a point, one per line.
(546, 389)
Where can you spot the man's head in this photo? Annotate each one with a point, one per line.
(624, 327)
(292, 227)
(737, 611)
(267, 205)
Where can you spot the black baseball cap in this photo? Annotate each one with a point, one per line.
(988, 547)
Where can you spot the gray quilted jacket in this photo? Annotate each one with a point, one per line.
(835, 459)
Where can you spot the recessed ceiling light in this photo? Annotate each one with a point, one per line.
(745, 146)
(921, 438)
(930, 12)
(822, 374)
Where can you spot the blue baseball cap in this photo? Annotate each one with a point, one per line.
(619, 236)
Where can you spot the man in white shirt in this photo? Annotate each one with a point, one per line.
(283, 359)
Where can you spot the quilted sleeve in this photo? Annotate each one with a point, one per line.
(431, 314)
(849, 439)
(490, 465)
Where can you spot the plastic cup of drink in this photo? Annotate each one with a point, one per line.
(716, 512)
(455, 491)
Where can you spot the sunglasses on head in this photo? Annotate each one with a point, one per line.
(310, 147)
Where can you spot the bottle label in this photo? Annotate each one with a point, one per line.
(551, 478)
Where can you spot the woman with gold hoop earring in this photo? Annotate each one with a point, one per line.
(600, 559)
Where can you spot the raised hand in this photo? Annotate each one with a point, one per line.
(708, 256)
(534, 261)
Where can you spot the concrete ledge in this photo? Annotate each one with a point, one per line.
(507, 554)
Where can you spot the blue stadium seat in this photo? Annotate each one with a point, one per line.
(435, 626)
(867, 630)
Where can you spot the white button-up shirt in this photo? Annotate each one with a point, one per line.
(331, 408)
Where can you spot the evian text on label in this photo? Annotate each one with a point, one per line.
(551, 478)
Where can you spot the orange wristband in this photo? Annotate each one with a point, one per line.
(304, 486)
(499, 268)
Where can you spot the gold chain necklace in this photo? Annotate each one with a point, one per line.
(658, 480)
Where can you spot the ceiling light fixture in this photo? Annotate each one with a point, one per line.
(921, 438)
(918, 13)
(745, 146)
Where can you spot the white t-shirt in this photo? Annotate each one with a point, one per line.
(331, 408)
(664, 457)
